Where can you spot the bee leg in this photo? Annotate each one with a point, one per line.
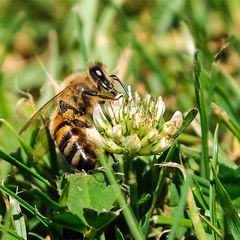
(79, 123)
(84, 104)
(97, 94)
(64, 107)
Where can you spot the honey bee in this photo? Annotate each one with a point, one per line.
(73, 114)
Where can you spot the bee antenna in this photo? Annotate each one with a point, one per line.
(115, 78)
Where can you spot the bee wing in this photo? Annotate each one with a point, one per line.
(43, 144)
(42, 110)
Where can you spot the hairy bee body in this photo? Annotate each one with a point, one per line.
(68, 125)
(71, 139)
(74, 112)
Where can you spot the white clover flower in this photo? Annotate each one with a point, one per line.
(134, 126)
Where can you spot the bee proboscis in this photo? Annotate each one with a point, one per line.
(73, 114)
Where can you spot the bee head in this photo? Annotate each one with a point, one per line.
(99, 75)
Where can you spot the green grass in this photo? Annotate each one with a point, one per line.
(186, 51)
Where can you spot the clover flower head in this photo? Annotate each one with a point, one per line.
(134, 126)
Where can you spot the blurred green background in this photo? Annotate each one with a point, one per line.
(148, 44)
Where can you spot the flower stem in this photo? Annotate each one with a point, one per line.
(127, 163)
(127, 211)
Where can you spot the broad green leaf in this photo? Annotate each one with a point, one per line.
(99, 219)
(70, 221)
(87, 191)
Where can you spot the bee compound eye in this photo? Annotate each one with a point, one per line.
(99, 75)
(98, 72)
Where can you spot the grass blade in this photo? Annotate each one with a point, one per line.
(170, 220)
(214, 77)
(25, 146)
(24, 204)
(235, 43)
(9, 233)
(4, 111)
(127, 212)
(198, 193)
(199, 92)
(194, 213)
(212, 187)
(18, 218)
(149, 58)
(23, 167)
(163, 173)
(180, 207)
(226, 120)
(232, 220)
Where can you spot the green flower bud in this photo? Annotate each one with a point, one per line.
(108, 110)
(149, 138)
(95, 137)
(132, 144)
(159, 108)
(174, 124)
(162, 145)
(112, 147)
(117, 133)
(100, 120)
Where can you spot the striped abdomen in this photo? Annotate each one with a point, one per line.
(72, 142)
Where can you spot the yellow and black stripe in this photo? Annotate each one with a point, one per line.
(70, 137)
